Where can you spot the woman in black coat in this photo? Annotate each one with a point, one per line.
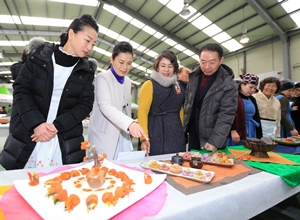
(53, 93)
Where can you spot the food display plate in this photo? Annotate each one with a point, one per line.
(44, 206)
(209, 175)
(220, 164)
(211, 163)
(290, 141)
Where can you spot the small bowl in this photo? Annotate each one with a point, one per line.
(196, 162)
(177, 159)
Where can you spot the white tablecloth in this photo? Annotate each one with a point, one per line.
(242, 199)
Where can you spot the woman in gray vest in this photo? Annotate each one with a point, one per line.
(160, 103)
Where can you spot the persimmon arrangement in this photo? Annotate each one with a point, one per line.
(119, 185)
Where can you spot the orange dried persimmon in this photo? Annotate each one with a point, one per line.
(61, 196)
(50, 181)
(128, 182)
(34, 179)
(56, 182)
(105, 169)
(65, 176)
(85, 145)
(74, 173)
(71, 202)
(84, 170)
(54, 189)
(121, 192)
(147, 178)
(91, 202)
(112, 172)
(110, 186)
(109, 199)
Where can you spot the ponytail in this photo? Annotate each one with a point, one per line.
(63, 39)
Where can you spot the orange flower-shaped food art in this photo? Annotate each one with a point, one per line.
(34, 179)
(61, 196)
(147, 178)
(109, 199)
(65, 176)
(74, 173)
(71, 202)
(84, 170)
(85, 145)
(91, 202)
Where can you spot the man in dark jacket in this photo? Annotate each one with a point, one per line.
(210, 101)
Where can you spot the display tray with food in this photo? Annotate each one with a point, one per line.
(177, 170)
(291, 141)
(216, 158)
(87, 191)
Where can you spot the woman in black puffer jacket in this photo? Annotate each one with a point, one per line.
(53, 93)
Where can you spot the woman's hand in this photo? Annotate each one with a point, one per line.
(145, 145)
(44, 132)
(137, 131)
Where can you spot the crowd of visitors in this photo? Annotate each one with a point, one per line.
(179, 109)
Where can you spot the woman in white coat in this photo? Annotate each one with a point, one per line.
(110, 122)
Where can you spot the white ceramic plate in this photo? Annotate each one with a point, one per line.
(44, 206)
(205, 178)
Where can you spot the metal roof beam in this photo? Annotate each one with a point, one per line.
(265, 15)
(282, 35)
(152, 24)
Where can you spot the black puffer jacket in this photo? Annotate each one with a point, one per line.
(32, 96)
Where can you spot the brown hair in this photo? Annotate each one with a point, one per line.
(168, 55)
(270, 80)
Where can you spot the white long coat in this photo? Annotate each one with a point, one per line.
(107, 119)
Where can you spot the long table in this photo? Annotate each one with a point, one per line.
(241, 199)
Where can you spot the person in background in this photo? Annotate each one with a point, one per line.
(53, 93)
(269, 106)
(183, 76)
(247, 119)
(287, 128)
(211, 101)
(296, 106)
(9, 110)
(31, 47)
(3, 110)
(111, 123)
(161, 99)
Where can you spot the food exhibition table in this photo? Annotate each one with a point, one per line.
(241, 199)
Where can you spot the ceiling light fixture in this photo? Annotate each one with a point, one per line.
(185, 10)
(245, 38)
(178, 60)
